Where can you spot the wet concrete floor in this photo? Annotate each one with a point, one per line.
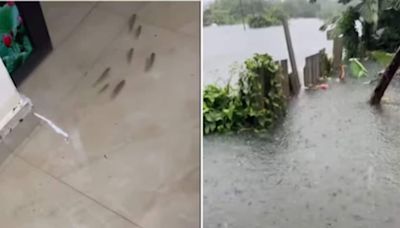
(334, 162)
(133, 157)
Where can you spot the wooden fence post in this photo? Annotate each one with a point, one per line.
(337, 53)
(317, 68)
(307, 73)
(322, 65)
(314, 69)
(295, 74)
(285, 78)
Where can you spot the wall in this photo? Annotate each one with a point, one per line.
(9, 96)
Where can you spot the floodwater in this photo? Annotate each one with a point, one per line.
(225, 45)
(333, 162)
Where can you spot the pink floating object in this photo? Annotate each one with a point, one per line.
(324, 86)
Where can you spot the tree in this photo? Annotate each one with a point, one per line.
(386, 79)
(207, 17)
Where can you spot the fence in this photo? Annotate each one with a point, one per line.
(290, 85)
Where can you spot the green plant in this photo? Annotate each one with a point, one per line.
(207, 17)
(258, 22)
(257, 102)
(233, 11)
(378, 19)
(357, 69)
(347, 27)
(15, 46)
(262, 21)
(382, 57)
(219, 109)
(326, 64)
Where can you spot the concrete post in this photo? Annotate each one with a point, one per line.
(337, 53)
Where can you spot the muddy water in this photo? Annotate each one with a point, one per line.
(334, 162)
(225, 45)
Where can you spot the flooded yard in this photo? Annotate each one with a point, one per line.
(333, 162)
(225, 45)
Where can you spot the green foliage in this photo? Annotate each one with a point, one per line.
(389, 38)
(300, 8)
(347, 27)
(220, 109)
(326, 64)
(380, 27)
(224, 12)
(262, 21)
(382, 57)
(357, 68)
(15, 51)
(273, 16)
(257, 103)
(390, 4)
(207, 17)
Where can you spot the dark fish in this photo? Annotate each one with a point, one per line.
(118, 89)
(129, 55)
(138, 31)
(103, 76)
(132, 21)
(150, 61)
(105, 87)
(152, 57)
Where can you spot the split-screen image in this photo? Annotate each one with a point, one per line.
(200, 114)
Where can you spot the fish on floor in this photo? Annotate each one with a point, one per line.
(132, 21)
(102, 77)
(150, 61)
(117, 89)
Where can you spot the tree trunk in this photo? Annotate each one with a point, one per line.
(387, 77)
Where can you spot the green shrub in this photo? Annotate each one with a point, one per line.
(347, 26)
(262, 21)
(256, 104)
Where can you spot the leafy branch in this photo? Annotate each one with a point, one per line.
(257, 103)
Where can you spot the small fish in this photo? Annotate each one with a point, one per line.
(118, 89)
(132, 21)
(105, 87)
(103, 76)
(150, 61)
(152, 57)
(129, 55)
(138, 31)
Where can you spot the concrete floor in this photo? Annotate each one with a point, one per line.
(132, 161)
